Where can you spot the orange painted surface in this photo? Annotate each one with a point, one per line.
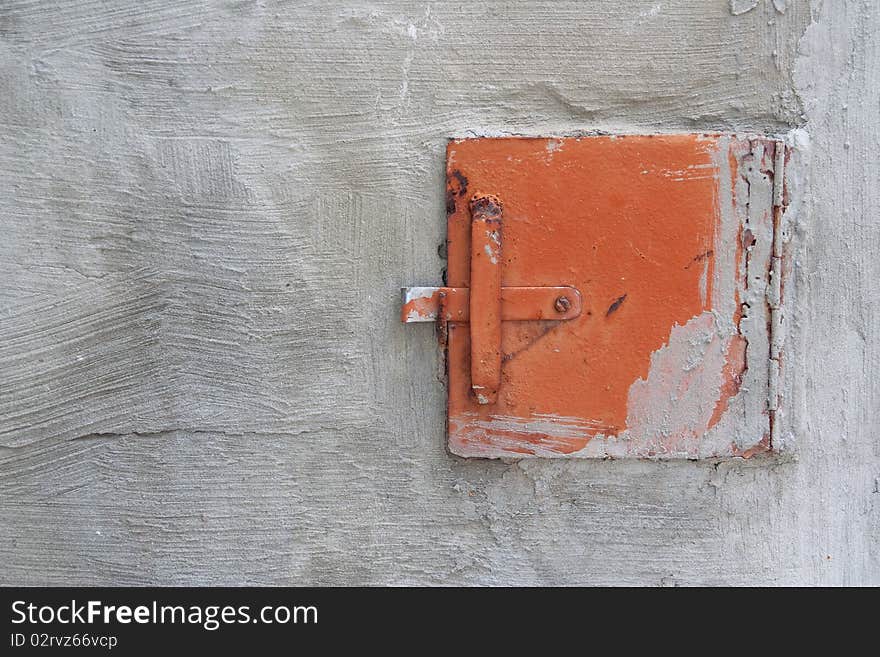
(631, 223)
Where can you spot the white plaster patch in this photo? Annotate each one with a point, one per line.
(738, 7)
(672, 407)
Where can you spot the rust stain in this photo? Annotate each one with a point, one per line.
(614, 306)
(731, 375)
(761, 447)
(456, 187)
(699, 258)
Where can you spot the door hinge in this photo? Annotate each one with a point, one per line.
(774, 289)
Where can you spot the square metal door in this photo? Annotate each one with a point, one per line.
(662, 346)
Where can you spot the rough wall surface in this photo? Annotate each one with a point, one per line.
(208, 208)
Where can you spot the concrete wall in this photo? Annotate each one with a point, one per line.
(207, 209)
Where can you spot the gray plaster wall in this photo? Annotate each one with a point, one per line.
(207, 209)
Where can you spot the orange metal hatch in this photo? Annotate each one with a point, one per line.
(609, 295)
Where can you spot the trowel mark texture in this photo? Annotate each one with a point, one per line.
(173, 413)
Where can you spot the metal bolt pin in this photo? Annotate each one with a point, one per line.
(562, 304)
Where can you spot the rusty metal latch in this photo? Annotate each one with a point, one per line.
(486, 303)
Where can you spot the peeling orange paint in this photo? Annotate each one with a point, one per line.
(420, 307)
(731, 375)
(762, 447)
(635, 224)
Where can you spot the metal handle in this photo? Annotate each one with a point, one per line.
(485, 298)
